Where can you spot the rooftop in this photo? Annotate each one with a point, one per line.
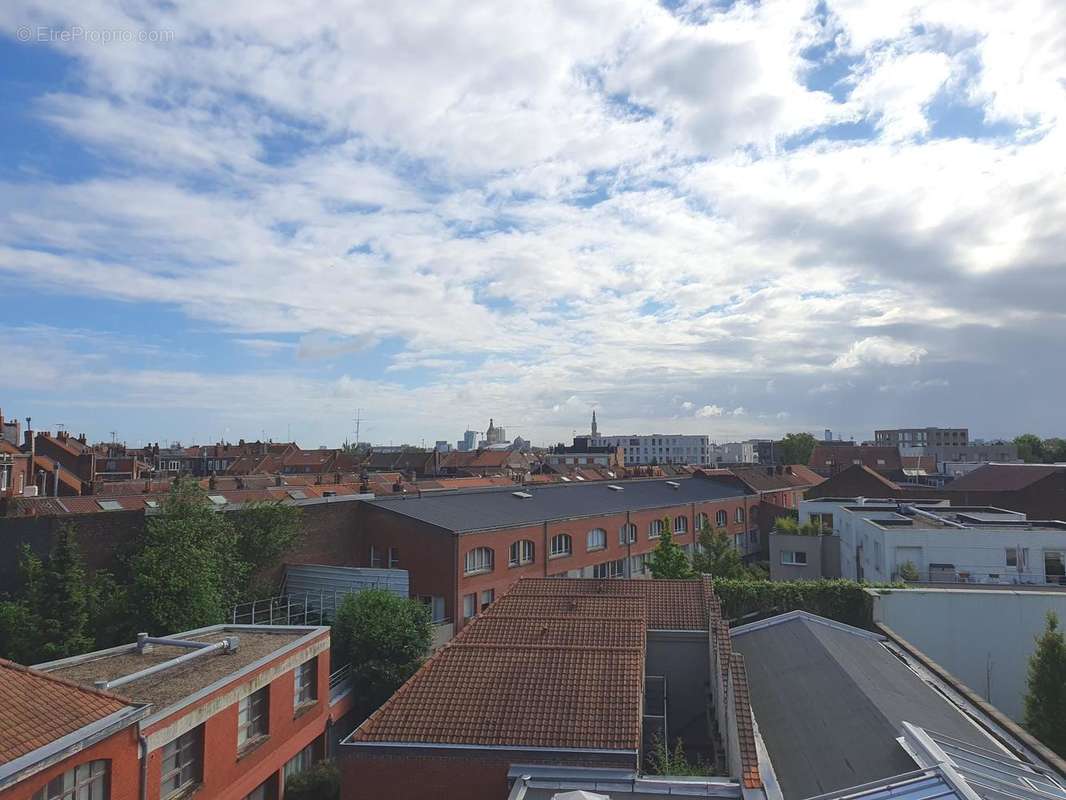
(830, 702)
(28, 723)
(551, 664)
(169, 686)
(1004, 477)
(502, 508)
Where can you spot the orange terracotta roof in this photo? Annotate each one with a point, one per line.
(27, 722)
(749, 754)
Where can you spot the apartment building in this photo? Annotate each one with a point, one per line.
(922, 437)
(929, 541)
(227, 712)
(468, 547)
(659, 448)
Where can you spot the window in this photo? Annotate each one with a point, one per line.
(85, 782)
(610, 569)
(702, 521)
(301, 761)
(376, 559)
(478, 560)
(561, 545)
(824, 521)
(306, 683)
(627, 534)
(521, 553)
(394, 557)
(680, 524)
(1012, 557)
(469, 605)
(253, 715)
(721, 518)
(267, 790)
(487, 597)
(739, 516)
(182, 762)
(596, 539)
(655, 529)
(793, 557)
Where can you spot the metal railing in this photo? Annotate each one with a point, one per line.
(979, 575)
(340, 683)
(289, 609)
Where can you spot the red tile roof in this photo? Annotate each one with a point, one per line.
(749, 754)
(552, 663)
(1003, 477)
(36, 709)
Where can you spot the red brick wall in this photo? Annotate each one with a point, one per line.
(229, 777)
(122, 751)
(470, 775)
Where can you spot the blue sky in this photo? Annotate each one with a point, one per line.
(727, 218)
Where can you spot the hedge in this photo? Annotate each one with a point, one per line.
(842, 600)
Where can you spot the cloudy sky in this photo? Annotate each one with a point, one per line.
(727, 218)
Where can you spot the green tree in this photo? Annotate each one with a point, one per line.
(264, 533)
(1054, 449)
(1030, 448)
(796, 448)
(62, 599)
(717, 556)
(187, 573)
(385, 638)
(320, 782)
(668, 560)
(1045, 700)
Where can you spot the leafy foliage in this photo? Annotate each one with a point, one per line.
(842, 600)
(796, 448)
(1032, 449)
(265, 532)
(321, 781)
(1045, 699)
(661, 760)
(668, 560)
(385, 638)
(792, 527)
(717, 556)
(908, 571)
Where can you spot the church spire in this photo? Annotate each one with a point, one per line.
(595, 431)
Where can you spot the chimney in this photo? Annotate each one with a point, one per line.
(31, 441)
(81, 438)
(55, 480)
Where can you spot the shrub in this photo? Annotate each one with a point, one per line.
(842, 600)
(319, 782)
(908, 572)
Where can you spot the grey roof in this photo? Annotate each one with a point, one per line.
(500, 508)
(830, 701)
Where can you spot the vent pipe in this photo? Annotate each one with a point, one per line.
(144, 641)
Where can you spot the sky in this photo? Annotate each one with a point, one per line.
(266, 217)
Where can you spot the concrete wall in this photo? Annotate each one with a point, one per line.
(982, 636)
(811, 545)
(684, 660)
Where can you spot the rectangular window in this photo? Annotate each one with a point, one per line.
(394, 557)
(301, 761)
(84, 782)
(376, 557)
(306, 683)
(182, 763)
(253, 715)
(487, 597)
(267, 790)
(794, 558)
(1012, 557)
(469, 605)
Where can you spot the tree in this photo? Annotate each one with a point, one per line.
(1030, 448)
(319, 782)
(1045, 700)
(1054, 450)
(186, 574)
(264, 533)
(668, 560)
(796, 448)
(717, 556)
(62, 600)
(385, 638)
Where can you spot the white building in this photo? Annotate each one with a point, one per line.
(738, 452)
(659, 448)
(937, 542)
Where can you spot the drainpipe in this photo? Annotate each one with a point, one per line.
(144, 766)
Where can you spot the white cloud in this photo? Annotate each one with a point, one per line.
(710, 411)
(875, 350)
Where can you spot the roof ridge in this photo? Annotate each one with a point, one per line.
(533, 646)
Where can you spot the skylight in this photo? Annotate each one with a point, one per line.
(614, 487)
(522, 495)
(109, 505)
(217, 499)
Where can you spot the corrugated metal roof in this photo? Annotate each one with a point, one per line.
(481, 510)
(316, 579)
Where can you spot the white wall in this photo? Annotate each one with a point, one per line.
(984, 637)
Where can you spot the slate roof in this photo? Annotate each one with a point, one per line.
(829, 701)
(28, 723)
(553, 663)
(1003, 477)
(483, 510)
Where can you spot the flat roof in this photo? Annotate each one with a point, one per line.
(830, 700)
(501, 508)
(167, 687)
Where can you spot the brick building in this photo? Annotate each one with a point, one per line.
(1037, 490)
(828, 460)
(469, 547)
(570, 674)
(227, 712)
(14, 470)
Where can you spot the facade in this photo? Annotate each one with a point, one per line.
(228, 711)
(469, 547)
(581, 454)
(563, 675)
(659, 448)
(888, 540)
(736, 453)
(922, 437)
(1036, 490)
(972, 453)
(14, 470)
(828, 460)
